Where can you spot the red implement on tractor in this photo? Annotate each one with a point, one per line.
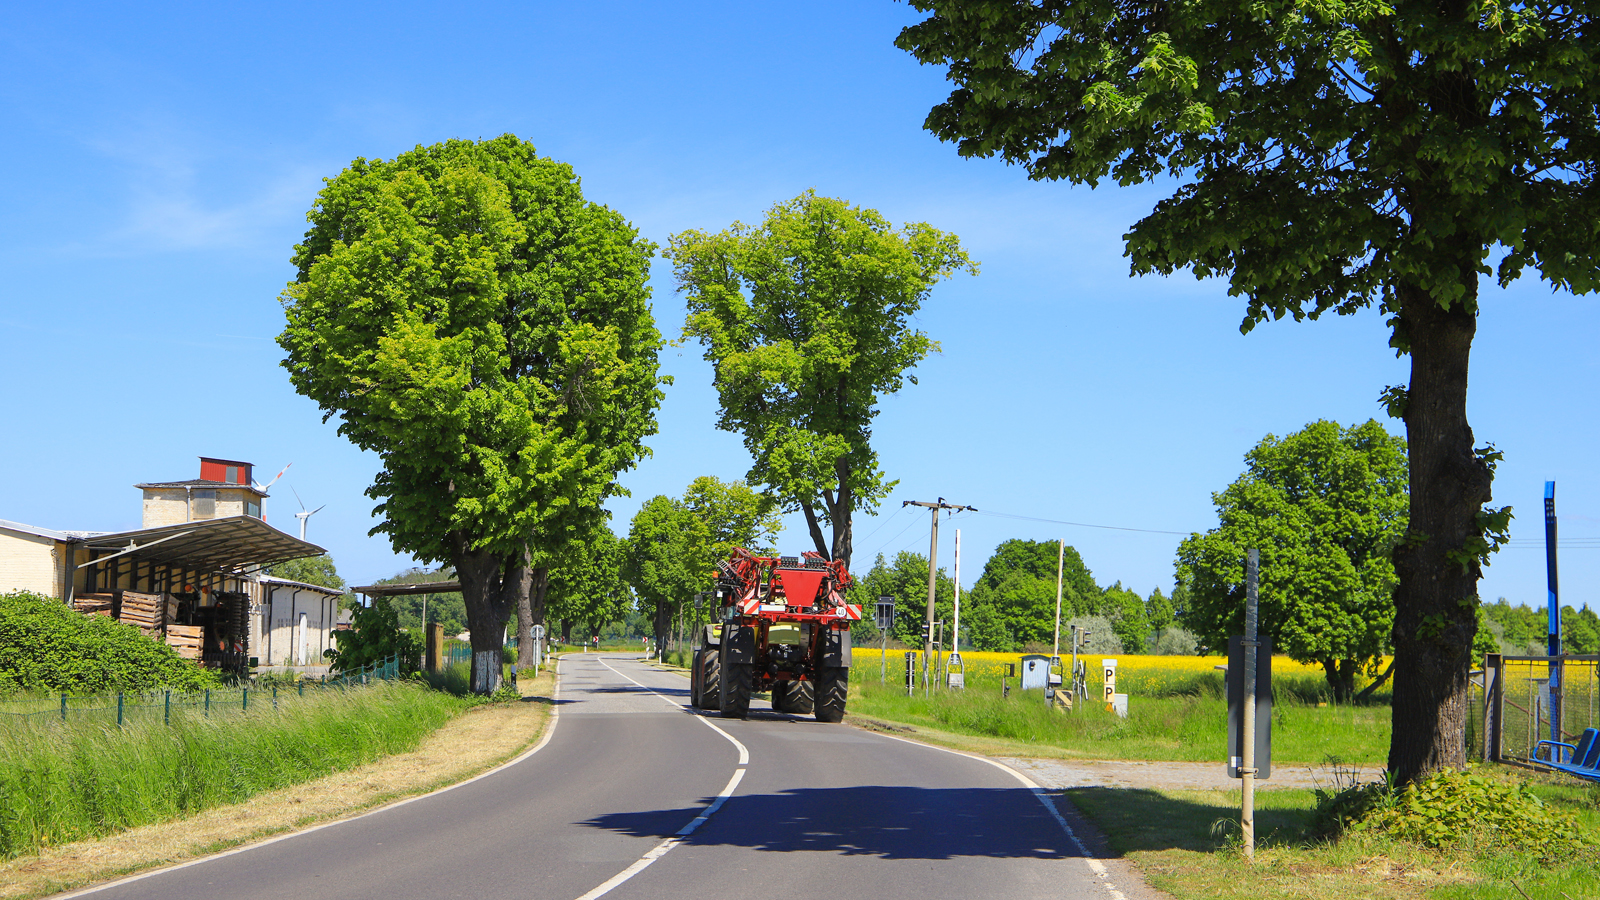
(785, 629)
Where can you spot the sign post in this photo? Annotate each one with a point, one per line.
(1246, 682)
(1108, 668)
(885, 620)
(1554, 611)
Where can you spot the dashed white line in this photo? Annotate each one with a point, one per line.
(666, 846)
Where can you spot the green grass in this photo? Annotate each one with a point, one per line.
(1187, 843)
(61, 782)
(1185, 726)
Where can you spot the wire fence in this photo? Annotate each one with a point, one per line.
(1515, 705)
(163, 705)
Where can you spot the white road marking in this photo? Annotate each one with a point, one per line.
(1095, 865)
(555, 714)
(666, 846)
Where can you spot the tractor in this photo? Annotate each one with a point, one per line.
(784, 629)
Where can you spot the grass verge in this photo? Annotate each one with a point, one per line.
(1187, 844)
(1183, 727)
(466, 745)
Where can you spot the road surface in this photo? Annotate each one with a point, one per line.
(636, 797)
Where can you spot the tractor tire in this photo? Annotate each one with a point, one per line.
(736, 683)
(833, 683)
(695, 671)
(711, 679)
(780, 695)
(801, 699)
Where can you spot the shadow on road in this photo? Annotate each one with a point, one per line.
(888, 822)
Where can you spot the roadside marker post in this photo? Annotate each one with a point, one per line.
(1250, 706)
(911, 673)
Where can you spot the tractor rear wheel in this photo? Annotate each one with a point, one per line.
(737, 679)
(780, 695)
(710, 679)
(801, 698)
(833, 683)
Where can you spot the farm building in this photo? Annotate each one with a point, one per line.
(192, 576)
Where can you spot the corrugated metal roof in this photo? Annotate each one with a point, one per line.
(49, 532)
(273, 579)
(227, 545)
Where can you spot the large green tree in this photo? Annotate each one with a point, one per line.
(586, 584)
(1017, 593)
(1324, 158)
(807, 320)
(905, 578)
(1325, 506)
(664, 560)
(474, 321)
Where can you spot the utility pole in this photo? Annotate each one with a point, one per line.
(1247, 741)
(955, 634)
(933, 569)
(1557, 676)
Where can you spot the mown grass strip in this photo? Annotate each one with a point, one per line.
(1178, 726)
(65, 782)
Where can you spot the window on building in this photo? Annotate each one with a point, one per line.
(204, 504)
(252, 508)
(233, 475)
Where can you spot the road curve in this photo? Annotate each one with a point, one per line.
(616, 804)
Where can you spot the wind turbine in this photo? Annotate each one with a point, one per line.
(263, 487)
(302, 515)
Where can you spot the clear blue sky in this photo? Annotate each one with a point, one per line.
(160, 160)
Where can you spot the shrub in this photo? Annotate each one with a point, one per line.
(1457, 809)
(374, 636)
(44, 646)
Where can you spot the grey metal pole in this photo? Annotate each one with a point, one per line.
(1247, 771)
(1061, 554)
(933, 568)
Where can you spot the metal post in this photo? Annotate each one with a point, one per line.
(955, 632)
(63, 707)
(274, 696)
(302, 686)
(1061, 555)
(208, 702)
(1247, 771)
(933, 568)
(1554, 609)
(166, 713)
(244, 699)
(119, 709)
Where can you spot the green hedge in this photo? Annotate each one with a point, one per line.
(46, 647)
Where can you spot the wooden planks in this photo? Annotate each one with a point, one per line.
(186, 639)
(96, 604)
(147, 611)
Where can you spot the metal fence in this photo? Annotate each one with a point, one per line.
(164, 705)
(1515, 704)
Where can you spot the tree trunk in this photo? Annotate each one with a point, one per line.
(663, 626)
(1438, 569)
(814, 528)
(491, 588)
(566, 631)
(840, 514)
(530, 612)
(1341, 675)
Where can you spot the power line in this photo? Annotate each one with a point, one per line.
(1079, 524)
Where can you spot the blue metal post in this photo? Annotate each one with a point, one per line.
(1554, 609)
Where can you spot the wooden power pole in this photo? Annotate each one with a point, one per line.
(933, 570)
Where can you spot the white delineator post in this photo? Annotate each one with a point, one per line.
(1247, 741)
(1061, 552)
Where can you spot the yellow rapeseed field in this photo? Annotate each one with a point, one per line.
(1133, 670)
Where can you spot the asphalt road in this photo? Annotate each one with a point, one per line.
(636, 796)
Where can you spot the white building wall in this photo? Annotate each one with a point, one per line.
(282, 616)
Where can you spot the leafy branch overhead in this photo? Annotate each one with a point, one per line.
(808, 321)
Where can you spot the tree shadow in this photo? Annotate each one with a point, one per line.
(1143, 819)
(881, 821)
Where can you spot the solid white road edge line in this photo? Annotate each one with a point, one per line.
(1095, 865)
(555, 713)
(666, 846)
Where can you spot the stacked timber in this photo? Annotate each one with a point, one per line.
(93, 604)
(186, 639)
(147, 611)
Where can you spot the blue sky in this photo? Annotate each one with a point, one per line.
(160, 160)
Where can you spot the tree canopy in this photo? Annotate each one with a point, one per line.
(1325, 506)
(474, 321)
(1324, 159)
(807, 320)
(586, 584)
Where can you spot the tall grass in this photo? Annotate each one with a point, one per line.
(1185, 720)
(61, 782)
